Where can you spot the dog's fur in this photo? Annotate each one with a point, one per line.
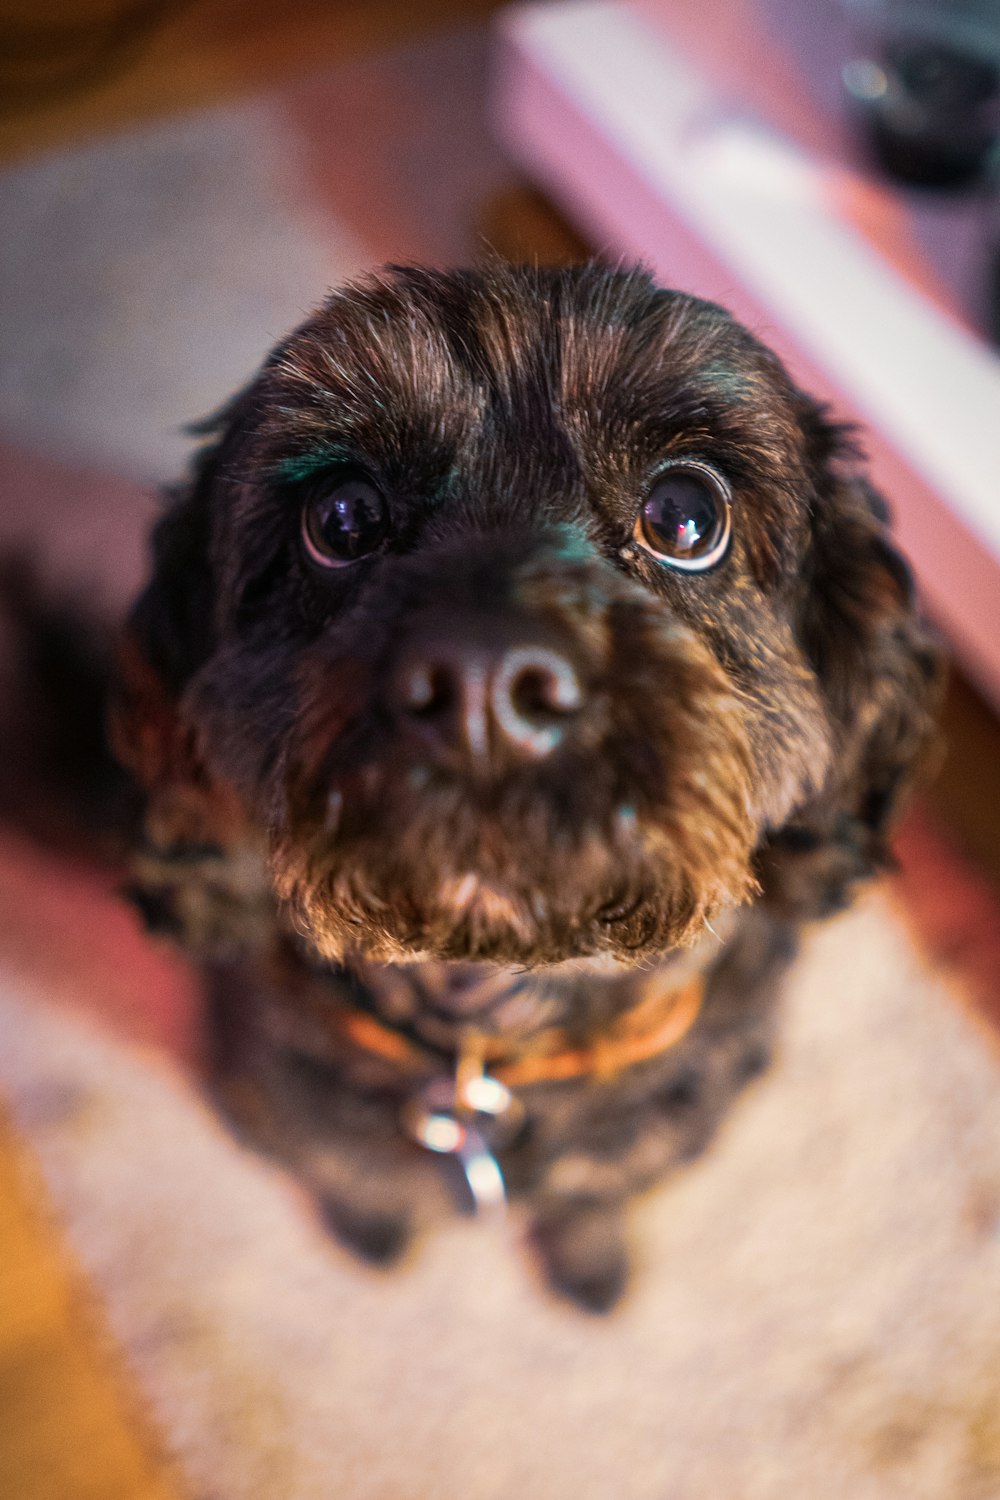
(744, 736)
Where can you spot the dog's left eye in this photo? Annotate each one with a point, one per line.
(344, 521)
(686, 519)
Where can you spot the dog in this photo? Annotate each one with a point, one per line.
(525, 662)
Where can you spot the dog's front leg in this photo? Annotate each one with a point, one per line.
(371, 1186)
(583, 1246)
(374, 1217)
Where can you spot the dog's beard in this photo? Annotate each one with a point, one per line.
(627, 848)
(505, 897)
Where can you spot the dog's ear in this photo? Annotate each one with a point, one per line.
(190, 874)
(168, 636)
(881, 674)
(171, 631)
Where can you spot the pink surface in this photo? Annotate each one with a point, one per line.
(67, 933)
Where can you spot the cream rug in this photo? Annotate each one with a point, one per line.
(816, 1311)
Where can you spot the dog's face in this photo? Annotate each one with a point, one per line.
(527, 614)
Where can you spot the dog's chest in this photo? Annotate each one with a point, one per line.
(515, 1084)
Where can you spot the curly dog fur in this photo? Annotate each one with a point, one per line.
(486, 757)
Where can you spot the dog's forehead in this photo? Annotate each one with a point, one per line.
(435, 354)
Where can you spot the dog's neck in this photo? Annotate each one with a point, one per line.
(441, 1002)
(514, 1025)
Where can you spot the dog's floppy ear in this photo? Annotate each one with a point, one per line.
(190, 875)
(167, 636)
(170, 631)
(881, 676)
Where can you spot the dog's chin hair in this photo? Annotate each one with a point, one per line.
(335, 932)
(473, 918)
(628, 858)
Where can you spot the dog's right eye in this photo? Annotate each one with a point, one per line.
(343, 521)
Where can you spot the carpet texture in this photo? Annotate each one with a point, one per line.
(816, 1311)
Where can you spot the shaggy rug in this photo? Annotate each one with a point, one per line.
(816, 1310)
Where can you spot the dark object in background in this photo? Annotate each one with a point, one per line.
(44, 61)
(927, 92)
(57, 781)
(993, 252)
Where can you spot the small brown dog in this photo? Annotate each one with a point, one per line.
(525, 662)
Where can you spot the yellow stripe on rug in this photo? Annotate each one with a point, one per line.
(67, 1429)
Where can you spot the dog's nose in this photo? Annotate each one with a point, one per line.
(488, 704)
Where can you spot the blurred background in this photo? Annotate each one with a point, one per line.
(181, 180)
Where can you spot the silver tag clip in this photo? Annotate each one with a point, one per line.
(467, 1117)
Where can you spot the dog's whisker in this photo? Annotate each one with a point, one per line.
(334, 811)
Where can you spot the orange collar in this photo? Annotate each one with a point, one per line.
(661, 1019)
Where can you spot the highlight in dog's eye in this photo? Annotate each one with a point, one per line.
(686, 519)
(343, 520)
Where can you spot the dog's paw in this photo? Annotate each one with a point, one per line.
(584, 1253)
(379, 1236)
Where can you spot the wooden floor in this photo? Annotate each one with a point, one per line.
(61, 79)
(965, 791)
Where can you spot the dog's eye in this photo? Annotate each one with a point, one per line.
(685, 520)
(343, 521)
